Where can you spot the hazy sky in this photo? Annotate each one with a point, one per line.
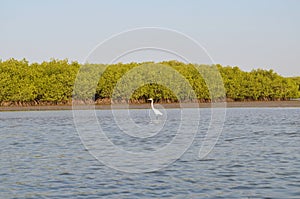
(248, 34)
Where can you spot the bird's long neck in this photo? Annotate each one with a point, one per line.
(152, 104)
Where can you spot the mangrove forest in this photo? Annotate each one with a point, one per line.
(52, 82)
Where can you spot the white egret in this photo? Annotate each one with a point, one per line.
(156, 111)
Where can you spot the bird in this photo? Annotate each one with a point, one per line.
(156, 111)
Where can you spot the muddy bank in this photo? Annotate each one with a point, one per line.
(147, 105)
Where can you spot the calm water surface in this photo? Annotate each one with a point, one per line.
(257, 156)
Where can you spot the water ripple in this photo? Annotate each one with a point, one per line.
(257, 156)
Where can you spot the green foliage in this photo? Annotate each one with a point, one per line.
(296, 80)
(54, 81)
(46, 82)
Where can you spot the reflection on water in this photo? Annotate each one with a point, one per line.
(256, 156)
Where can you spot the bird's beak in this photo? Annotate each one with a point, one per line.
(148, 99)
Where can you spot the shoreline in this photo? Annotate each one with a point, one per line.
(251, 104)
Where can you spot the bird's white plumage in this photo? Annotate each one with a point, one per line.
(156, 111)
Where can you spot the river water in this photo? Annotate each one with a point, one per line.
(256, 156)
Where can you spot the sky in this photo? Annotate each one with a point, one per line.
(248, 34)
